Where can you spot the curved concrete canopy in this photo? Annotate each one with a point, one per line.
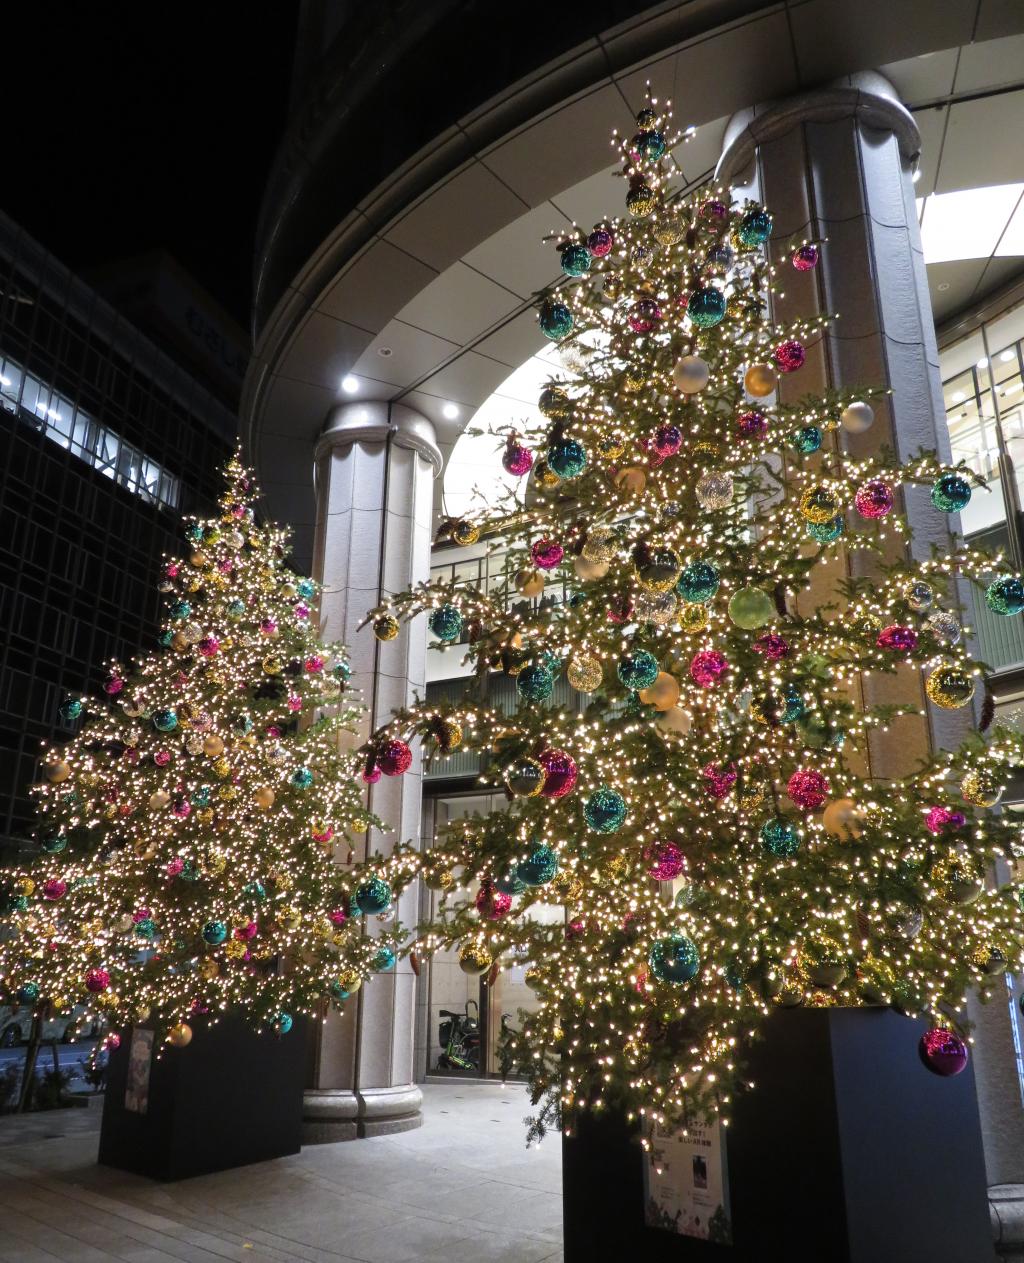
(430, 302)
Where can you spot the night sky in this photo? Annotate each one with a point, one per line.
(132, 126)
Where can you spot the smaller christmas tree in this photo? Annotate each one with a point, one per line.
(187, 833)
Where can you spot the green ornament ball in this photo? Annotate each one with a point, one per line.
(165, 720)
(827, 532)
(555, 320)
(535, 683)
(373, 896)
(605, 810)
(214, 932)
(638, 670)
(384, 960)
(674, 959)
(751, 608)
(539, 867)
(446, 623)
(951, 493)
(567, 459)
(699, 582)
(779, 838)
(706, 307)
(755, 228)
(1005, 596)
(807, 439)
(576, 259)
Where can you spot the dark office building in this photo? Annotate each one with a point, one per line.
(105, 442)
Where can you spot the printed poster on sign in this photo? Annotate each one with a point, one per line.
(140, 1059)
(686, 1184)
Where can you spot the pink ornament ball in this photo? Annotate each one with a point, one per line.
(208, 646)
(247, 931)
(97, 980)
(644, 315)
(371, 775)
(113, 686)
(752, 425)
(940, 819)
(492, 904)
(301, 610)
(808, 790)
(314, 665)
(771, 646)
(171, 570)
(112, 1041)
(175, 866)
(805, 257)
(575, 929)
(55, 888)
(714, 209)
(268, 627)
(162, 758)
(546, 554)
(718, 780)
(181, 808)
(665, 861)
(517, 460)
(324, 835)
(141, 914)
(667, 441)
(897, 639)
(600, 242)
(294, 703)
(559, 773)
(337, 916)
(874, 499)
(943, 1052)
(789, 356)
(620, 610)
(394, 758)
(707, 667)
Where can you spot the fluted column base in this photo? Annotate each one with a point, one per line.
(330, 1115)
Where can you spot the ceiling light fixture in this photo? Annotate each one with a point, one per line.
(450, 411)
(349, 384)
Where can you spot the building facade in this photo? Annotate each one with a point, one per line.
(104, 443)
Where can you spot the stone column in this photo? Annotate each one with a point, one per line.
(837, 163)
(375, 465)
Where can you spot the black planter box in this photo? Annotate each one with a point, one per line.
(229, 1098)
(847, 1151)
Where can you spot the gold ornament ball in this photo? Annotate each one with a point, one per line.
(349, 980)
(465, 533)
(663, 693)
(753, 795)
(273, 666)
(442, 880)
(760, 380)
(159, 800)
(950, 688)
(533, 979)
(612, 447)
(980, 788)
(228, 793)
(633, 380)
(57, 771)
(843, 819)
(264, 797)
(222, 768)
(474, 960)
(205, 815)
(386, 627)
(529, 582)
(958, 880)
(674, 721)
(24, 885)
(358, 825)
(234, 949)
(819, 505)
(545, 475)
(654, 607)
(554, 402)
(669, 231)
(632, 480)
(208, 968)
(659, 573)
(588, 570)
(600, 544)
(288, 918)
(213, 745)
(180, 1036)
(584, 672)
(693, 618)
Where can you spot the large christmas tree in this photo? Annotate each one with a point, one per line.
(705, 812)
(188, 832)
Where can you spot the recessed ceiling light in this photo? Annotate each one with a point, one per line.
(988, 210)
(942, 286)
(384, 352)
(983, 362)
(1006, 356)
(450, 411)
(958, 396)
(349, 385)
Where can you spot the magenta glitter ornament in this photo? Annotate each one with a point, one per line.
(773, 647)
(97, 980)
(208, 646)
(268, 627)
(492, 904)
(808, 790)
(314, 665)
(943, 1052)
(516, 459)
(114, 685)
(575, 929)
(620, 610)
(371, 775)
(394, 758)
(559, 773)
(337, 916)
(546, 554)
(112, 1041)
(175, 866)
(665, 861)
(805, 257)
(226, 566)
(301, 610)
(294, 702)
(752, 425)
(897, 639)
(874, 499)
(182, 808)
(789, 356)
(707, 668)
(162, 758)
(714, 209)
(644, 315)
(55, 888)
(131, 756)
(141, 914)
(718, 781)
(600, 242)
(668, 439)
(940, 819)
(171, 570)
(323, 835)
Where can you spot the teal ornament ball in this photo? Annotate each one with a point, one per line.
(283, 1023)
(951, 493)
(751, 608)
(698, 582)
(779, 838)
(165, 638)
(384, 960)
(339, 993)
(146, 928)
(28, 993)
(535, 684)
(827, 532)
(638, 670)
(214, 932)
(373, 896)
(70, 710)
(302, 778)
(807, 439)
(194, 533)
(674, 959)
(165, 720)
(649, 145)
(706, 307)
(575, 259)
(567, 459)
(755, 228)
(818, 734)
(306, 588)
(555, 320)
(236, 608)
(539, 867)
(181, 610)
(255, 890)
(605, 810)
(510, 883)
(53, 842)
(446, 623)
(1005, 596)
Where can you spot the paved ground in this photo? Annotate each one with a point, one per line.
(461, 1189)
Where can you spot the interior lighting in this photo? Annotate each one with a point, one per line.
(987, 210)
(349, 384)
(450, 411)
